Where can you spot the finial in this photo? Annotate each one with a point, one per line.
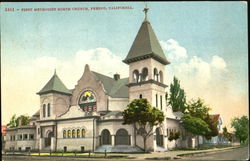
(145, 10)
(55, 72)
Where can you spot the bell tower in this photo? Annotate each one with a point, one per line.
(147, 61)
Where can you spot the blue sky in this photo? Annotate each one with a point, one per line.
(203, 29)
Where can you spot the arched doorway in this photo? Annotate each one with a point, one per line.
(122, 137)
(159, 137)
(50, 134)
(105, 137)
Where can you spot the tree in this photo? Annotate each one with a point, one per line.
(227, 135)
(143, 116)
(213, 126)
(197, 108)
(177, 97)
(14, 121)
(240, 126)
(174, 136)
(195, 125)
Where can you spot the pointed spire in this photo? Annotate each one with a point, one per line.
(146, 45)
(54, 85)
(55, 72)
(146, 11)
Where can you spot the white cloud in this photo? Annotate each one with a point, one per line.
(173, 50)
(21, 84)
(218, 62)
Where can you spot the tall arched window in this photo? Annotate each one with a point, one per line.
(64, 134)
(73, 133)
(44, 110)
(156, 100)
(48, 110)
(83, 133)
(69, 134)
(161, 76)
(155, 74)
(144, 76)
(78, 133)
(136, 76)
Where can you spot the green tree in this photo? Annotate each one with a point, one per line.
(177, 97)
(197, 108)
(226, 134)
(195, 125)
(240, 126)
(143, 116)
(14, 121)
(213, 126)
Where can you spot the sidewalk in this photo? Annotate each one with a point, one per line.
(175, 154)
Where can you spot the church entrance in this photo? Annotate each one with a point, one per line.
(48, 139)
(159, 137)
(105, 137)
(122, 137)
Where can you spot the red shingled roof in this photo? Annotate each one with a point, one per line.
(216, 116)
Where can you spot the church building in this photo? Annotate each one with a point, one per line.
(89, 117)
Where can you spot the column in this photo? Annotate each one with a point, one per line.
(53, 144)
(132, 139)
(113, 140)
(41, 143)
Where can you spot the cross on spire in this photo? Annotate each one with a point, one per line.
(145, 10)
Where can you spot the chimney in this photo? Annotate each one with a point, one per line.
(116, 76)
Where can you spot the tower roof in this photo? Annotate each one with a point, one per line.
(54, 85)
(146, 45)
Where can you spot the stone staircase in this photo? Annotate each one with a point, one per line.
(118, 149)
(161, 149)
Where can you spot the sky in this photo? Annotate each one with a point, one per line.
(206, 43)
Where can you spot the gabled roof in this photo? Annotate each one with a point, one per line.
(54, 85)
(114, 88)
(146, 45)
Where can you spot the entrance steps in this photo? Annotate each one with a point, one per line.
(160, 149)
(118, 149)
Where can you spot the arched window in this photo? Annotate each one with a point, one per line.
(44, 110)
(69, 134)
(73, 133)
(64, 133)
(83, 133)
(144, 74)
(136, 76)
(161, 101)
(155, 74)
(48, 108)
(78, 133)
(156, 100)
(161, 76)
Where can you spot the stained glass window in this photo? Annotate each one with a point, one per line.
(87, 101)
(64, 134)
(69, 134)
(73, 133)
(83, 133)
(78, 133)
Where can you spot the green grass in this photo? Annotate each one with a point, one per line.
(80, 155)
(203, 147)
